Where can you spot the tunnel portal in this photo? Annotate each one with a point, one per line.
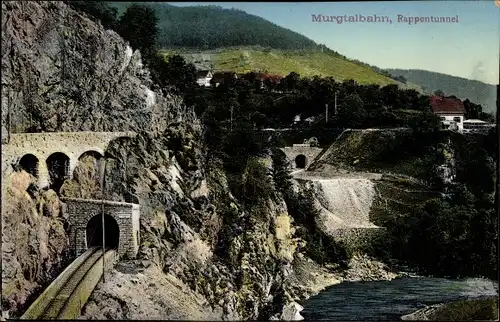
(121, 225)
(300, 161)
(111, 232)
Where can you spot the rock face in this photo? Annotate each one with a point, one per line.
(63, 72)
(34, 241)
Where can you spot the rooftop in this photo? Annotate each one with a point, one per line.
(446, 105)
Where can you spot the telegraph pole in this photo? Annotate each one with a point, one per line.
(103, 173)
(231, 121)
(9, 116)
(335, 111)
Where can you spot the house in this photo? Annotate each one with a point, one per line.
(451, 110)
(221, 77)
(263, 78)
(203, 77)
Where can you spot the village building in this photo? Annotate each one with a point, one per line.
(221, 77)
(268, 78)
(451, 111)
(203, 77)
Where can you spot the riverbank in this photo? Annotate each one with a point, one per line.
(485, 309)
(390, 300)
(310, 279)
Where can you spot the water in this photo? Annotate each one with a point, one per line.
(389, 300)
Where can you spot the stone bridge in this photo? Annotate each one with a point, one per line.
(36, 151)
(121, 225)
(301, 155)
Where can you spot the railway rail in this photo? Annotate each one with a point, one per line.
(66, 295)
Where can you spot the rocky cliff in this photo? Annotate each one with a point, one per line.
(34, 240)
(200, 248)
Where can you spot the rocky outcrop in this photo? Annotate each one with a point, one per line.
(237, 259)
(63, 72)
(34, 241)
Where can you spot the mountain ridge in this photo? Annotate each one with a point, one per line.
(463, 88)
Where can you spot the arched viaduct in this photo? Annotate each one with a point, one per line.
(301, 155)
(34, 151)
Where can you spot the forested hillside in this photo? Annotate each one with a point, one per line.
(207, 27)
(475, 91)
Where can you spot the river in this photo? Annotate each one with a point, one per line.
(389, 300)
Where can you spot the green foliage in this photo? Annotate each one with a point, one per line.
(468, 310)
(98, 10)
(256, 184)
(454, 238)
(207, 27)
(138, 25)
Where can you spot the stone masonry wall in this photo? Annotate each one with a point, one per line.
(309, 152)
(80, 211)
(42, 145)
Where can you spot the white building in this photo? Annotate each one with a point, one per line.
(473, 125)
(451, 110)
(204, 77)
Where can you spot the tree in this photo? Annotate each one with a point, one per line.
(291, 81)
(138, 27)
(98, 10)
(180, 74)
(439, 93)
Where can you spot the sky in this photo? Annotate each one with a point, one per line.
(469, 48)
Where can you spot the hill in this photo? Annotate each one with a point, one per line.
(476, 91)
(209, 27)
(225, 36)
(282, 62)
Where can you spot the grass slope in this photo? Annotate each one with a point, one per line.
(282, 62)
(251, 43)
(476, 91)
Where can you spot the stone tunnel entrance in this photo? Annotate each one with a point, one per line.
(121, 225)
(58, 166)
(29, 163)
(111, 232)
(300, 161)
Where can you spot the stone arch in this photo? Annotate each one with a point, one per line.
(93, 232)
(58, 165)
(94, 153)
(30, 163)
(300, 161)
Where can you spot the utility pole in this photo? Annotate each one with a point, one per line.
(103, 173)
(9, 116)
(326, 113)
(231, 121)
(335, 111)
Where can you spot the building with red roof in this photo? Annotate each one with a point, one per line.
(451, 110)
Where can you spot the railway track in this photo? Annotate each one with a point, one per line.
(65, 297)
